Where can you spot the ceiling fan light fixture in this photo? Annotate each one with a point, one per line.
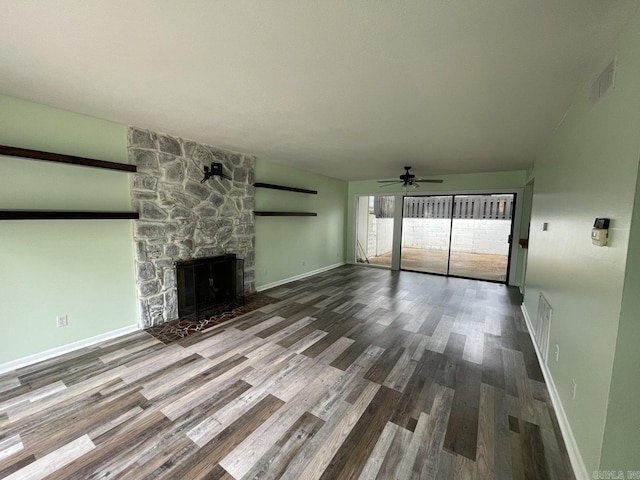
(408, 179)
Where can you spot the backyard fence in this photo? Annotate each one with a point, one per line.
(481, 207)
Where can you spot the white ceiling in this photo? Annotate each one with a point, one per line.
(351, 89)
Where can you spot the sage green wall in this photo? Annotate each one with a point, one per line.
(588, 170)
(82, 268)
(290, 246)
(472, 182)
(621, 446)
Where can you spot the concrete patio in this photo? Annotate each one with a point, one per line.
(473, 265)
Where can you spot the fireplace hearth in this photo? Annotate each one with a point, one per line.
(208, 285)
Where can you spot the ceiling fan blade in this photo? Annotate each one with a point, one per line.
(408, 180)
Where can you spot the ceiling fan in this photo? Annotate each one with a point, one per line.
(408, 180)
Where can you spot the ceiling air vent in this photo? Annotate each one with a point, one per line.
(605, 82)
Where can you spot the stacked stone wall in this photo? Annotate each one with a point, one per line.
(181, 218)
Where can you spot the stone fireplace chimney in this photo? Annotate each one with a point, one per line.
(182, 219)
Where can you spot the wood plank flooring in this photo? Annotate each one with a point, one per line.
(356, 373)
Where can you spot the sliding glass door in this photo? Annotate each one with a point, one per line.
(374, 229)
(459, 235)
(480, 236)
(426, 225)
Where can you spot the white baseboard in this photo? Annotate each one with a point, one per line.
(532, 331)
(298, 277)
(579, 468)
(70, 347)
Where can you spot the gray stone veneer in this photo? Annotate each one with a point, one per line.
(180, 218)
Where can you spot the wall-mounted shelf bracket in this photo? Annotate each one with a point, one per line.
(285, 214)
(61, 158)
(65, 215)
(282, 187)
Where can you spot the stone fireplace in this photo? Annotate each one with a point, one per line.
(182, 219)
(206, 285)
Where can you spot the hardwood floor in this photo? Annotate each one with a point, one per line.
(355, 373)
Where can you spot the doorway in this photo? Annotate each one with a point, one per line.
(374, 229)
(458, 235)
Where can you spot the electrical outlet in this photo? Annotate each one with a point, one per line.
(574, 387)
(557, 352)
(62, 321)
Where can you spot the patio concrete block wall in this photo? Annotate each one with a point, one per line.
(380, 236)
(481, 236)
(469, 236)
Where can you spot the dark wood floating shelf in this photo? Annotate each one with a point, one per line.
(282, 187)
(61, 158)
(285, 214)
(62, 215)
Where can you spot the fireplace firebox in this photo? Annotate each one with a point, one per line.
(209, 285)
